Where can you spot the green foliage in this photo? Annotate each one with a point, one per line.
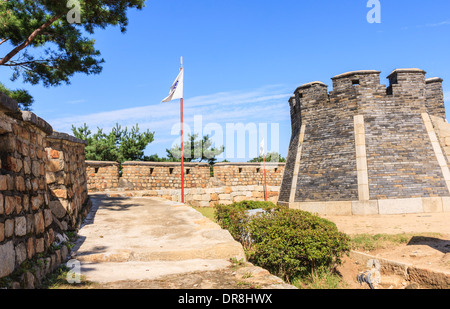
(289, 243)
(20, 95)
(119, 145)
(40, 45)
(293, 243)
(196, 149)
(233, 217)
(62, 48)
(270, 157)
(156, 158)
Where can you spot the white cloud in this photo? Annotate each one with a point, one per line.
(266, 104)
(443, 23)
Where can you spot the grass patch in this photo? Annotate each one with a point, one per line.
(326, 279)
(58, 280)
(208, 212)
(367, 242)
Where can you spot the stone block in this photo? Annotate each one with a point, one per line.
(338, 208)
(39, 225)
(446, 203)
(365, 208)
(2, 209)
(20, 226)
(432, 204)
(7, 258)
(60, 193)
(400, 206)
(3, 182)
(36, 202)
(21, 253)
(10, 204)
(48, 217)
(30, 247)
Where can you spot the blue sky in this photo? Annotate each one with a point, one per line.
(242, 60)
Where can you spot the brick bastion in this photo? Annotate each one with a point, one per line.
(366, 148)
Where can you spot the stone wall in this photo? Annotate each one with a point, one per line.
(37, 168)
(365, 147)
(241, 174)
(158, 175)
(66, 179)
(102, 175)
(231, 181)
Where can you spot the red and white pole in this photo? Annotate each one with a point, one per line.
(265, 182)
(182, 144)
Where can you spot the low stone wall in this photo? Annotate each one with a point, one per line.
(66, 179)
(38, 168)
(231, 181)
(102, 175)
(237, 174)
(167, 175)
(159, 175)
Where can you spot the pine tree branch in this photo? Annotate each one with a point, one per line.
(28, 41)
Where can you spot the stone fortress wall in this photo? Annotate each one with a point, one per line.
(232, 182)
(43, 193)
(365, 148)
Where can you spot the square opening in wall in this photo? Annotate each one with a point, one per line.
(188, 171)
(96, 170)
(240, 170)
(258, 169)
(170, 170)
(151, 170)
(355, 82)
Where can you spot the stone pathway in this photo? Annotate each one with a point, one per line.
(154, 243)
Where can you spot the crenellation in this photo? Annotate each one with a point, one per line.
(435, 97)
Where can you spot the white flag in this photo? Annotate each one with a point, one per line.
(176, 91)
(261, 147)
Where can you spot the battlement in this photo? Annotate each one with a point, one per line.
(367, 148)
(364, 78)
(360, 90)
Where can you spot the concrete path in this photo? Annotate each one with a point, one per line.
(146, 238)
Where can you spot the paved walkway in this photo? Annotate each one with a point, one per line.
(147, 242)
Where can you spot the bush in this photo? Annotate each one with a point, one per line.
(233, 217)
(289, 243)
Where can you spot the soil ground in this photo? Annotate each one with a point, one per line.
(429, 252)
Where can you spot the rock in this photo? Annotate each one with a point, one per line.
(412, 285)
(7, 258)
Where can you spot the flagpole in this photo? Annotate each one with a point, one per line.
(265, 183)
(182, 146)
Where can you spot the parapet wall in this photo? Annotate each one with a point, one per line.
(364, 142)
(43, 193)
(167, 175)
(232, 182)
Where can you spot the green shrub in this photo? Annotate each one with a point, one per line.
(289, 243)
(234, 219)
(293, 243)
